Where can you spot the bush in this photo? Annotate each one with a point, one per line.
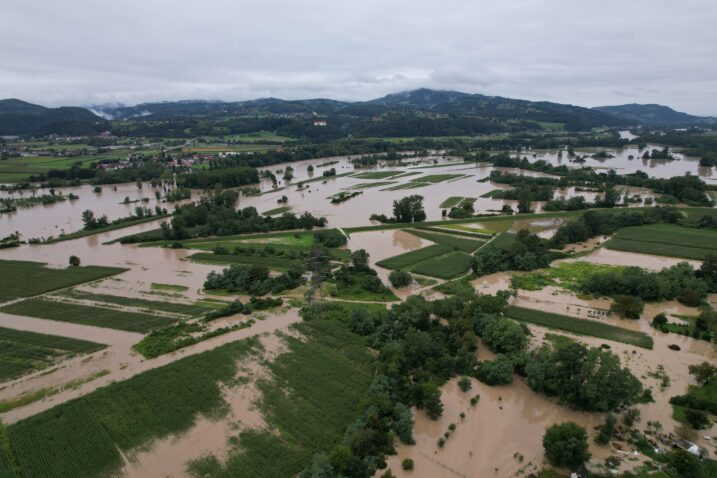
(407, 464)
(400, 278)
(464, 383)
(566, 445)
(74, 261)
(330, 238)
(697, 419)
(607, 430)
(496, 372)
(627, 306)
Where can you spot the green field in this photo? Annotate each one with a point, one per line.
(374, 184)
(25, 279)
(453, 241)
(87, 315)
(446, 266)
(377, 174)
(437, 178)
(17, 169)
(161, 305)
(666, 240)
(451, 202)
(24, 352)
(408, 259)
(591, 328)
(83, 437)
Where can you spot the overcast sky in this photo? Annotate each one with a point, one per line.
(585, 52)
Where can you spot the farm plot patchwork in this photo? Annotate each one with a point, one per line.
(24, 352)
(24, 279)
(666, 240)
(587, 327)
(378, 174)
(87, 315)
(160, 305)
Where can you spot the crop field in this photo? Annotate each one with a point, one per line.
(179, 308)
(87, 315)
(24, 352)
(446, 266)
(408, 259)
(25, 279)
(407, 185)
(666, 240)
(460, 232)
(453, 241)
(568, 275)
(437, 178)
(304, 239)
(82, 437)
(308, 403)
(272, 262)
(16, 169)
(587, 327)
(378, 174)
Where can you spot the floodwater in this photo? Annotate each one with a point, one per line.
(66, 216)
(612, 257)
(626, 160)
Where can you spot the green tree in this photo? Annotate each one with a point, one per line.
(359, 260)
(409, 209)
(607, 430)
(566, 445)
(400, 278)
(684, 463)
(703, 372)
(88, 219)
(74, 261)
(496, 372)
(504, 336)
(524, 203)
(627, 306)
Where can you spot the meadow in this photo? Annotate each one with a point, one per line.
(591, 328)
(446, 266)
(26, 279)
(24, 352)
(666, 240)
(272, 262)
(408, 259)
(87, 315)
(452, 241)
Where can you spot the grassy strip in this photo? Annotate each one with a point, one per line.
(450, 240)
(459, 232)
(408, 185)
(590, 328)
(378, 174)
(25, 279)
(403, 261)
(81, 437)
(318, 178)
(491, 193)
(276, 211)
(446, 266)
(451, 202)
(87, 315)
(437, 178)
(24, 352)
(28, 398)
(112, 227)
(372, 185)
(168, 287)
(272, 262)
(178, 308)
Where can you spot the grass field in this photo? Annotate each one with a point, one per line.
(666, 240)
(24, 352)
(179, 308)
(408, 259)
(590, 328)
(168, 287)
(111, 227)
(25, 279)
(453, 241)
(446, 266)
(87, 315)
(568, 275)
(378, 174)
(82, 437)
(374, 184)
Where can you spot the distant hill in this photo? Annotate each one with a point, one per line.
(22, 118)
(421, 112)
(654, 115)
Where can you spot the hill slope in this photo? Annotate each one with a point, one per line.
(653, 115)
(22, 118)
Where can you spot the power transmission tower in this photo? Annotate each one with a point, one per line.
(315, 295)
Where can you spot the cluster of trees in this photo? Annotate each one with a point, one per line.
(681, 282)
(358, 276)
(400, 278)
(92, 222)
(216, 215)
(330, 238)
(405, 210)
(586, 379)
(254, 280)
(522, 251)
(227, 178)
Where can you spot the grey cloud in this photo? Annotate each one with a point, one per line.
(589, 52)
